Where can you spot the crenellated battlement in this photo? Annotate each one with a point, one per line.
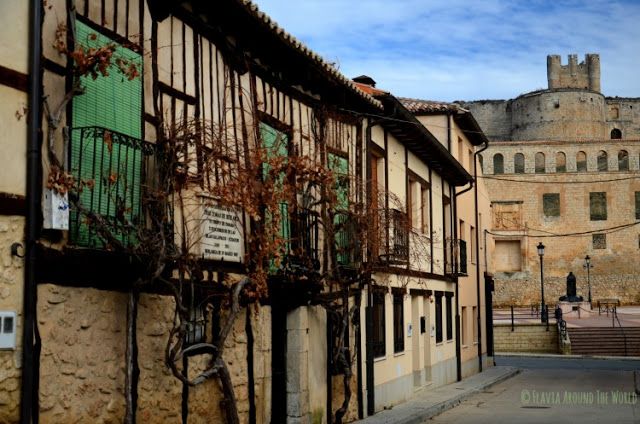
(583, 75)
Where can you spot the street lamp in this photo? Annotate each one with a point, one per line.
(543, 313)
(588, 266)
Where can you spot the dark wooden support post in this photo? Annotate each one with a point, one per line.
(132, 370)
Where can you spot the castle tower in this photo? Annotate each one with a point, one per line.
(553, 70)
(593, 65)
(584, 75)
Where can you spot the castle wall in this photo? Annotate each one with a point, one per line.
(613, 274)
(493, 116)
(623, 114)
(572, 108)
(558, 115)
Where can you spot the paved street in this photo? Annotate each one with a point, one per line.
(555, 390)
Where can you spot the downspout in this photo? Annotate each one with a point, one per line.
(454, 224)
(475, 199)
(369, 308)
(30, 339)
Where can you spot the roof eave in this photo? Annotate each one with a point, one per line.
(421, 142)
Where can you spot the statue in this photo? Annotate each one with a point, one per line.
(571, 290)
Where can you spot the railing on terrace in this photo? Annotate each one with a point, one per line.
(114, 169)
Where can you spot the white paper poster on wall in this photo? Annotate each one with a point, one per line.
(55, 210)
(221, 228)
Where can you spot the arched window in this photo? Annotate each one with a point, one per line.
(540, 169)
(623, 160)
(581, 162)
(481, 160)
(561, 162)
(603, 163)
(616, 134)
(498, 163)
(518, 163)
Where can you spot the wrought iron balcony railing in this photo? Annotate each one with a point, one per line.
(300, 232)
(456, 257)
(348, 245)
(396, 248)
(113, 170)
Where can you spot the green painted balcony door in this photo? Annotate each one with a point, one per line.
(114, 103)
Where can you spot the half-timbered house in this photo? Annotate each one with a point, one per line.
(162, 139)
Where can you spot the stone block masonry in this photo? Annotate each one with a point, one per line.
(529, 338)
(83, 351)
(11, 292)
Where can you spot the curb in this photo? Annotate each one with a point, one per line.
(561, 356)
(421, 415)
(444, 406)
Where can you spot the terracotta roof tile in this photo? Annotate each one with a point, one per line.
(429, 106)
(372, 91)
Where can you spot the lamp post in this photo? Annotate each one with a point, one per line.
(543, 312)
(588, 266)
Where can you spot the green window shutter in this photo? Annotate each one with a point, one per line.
(344, 238)
(340, 166)
(112, 157)
(276, 144)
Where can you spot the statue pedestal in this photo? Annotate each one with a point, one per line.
(574, 309)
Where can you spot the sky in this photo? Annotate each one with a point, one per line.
(467, 49)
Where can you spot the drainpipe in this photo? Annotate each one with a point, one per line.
(30, 340)
(454, 223)
(475, 199)
(369, 308)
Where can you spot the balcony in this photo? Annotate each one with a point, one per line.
(300, 231)
(456, 258)
(114, 169)
(396, 248)
(348, 246)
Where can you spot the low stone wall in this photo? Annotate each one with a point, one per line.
(83, 360)
(525, 291)
(528, 338)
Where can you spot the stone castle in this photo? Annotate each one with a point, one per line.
(562, 169)
(572, 108)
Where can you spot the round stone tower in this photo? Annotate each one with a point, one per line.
(571, 109)
(593, 67)
(559, 114)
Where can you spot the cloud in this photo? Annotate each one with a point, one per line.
(460, 49)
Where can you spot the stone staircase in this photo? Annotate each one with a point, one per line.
(608, 341)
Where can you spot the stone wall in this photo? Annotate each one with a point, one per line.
(493, 116)
(570, 150)
(624, 114)
(83, 351)
(527, 338)
(526, 291)
(11, 290)
(558, 115)
(613, 274)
